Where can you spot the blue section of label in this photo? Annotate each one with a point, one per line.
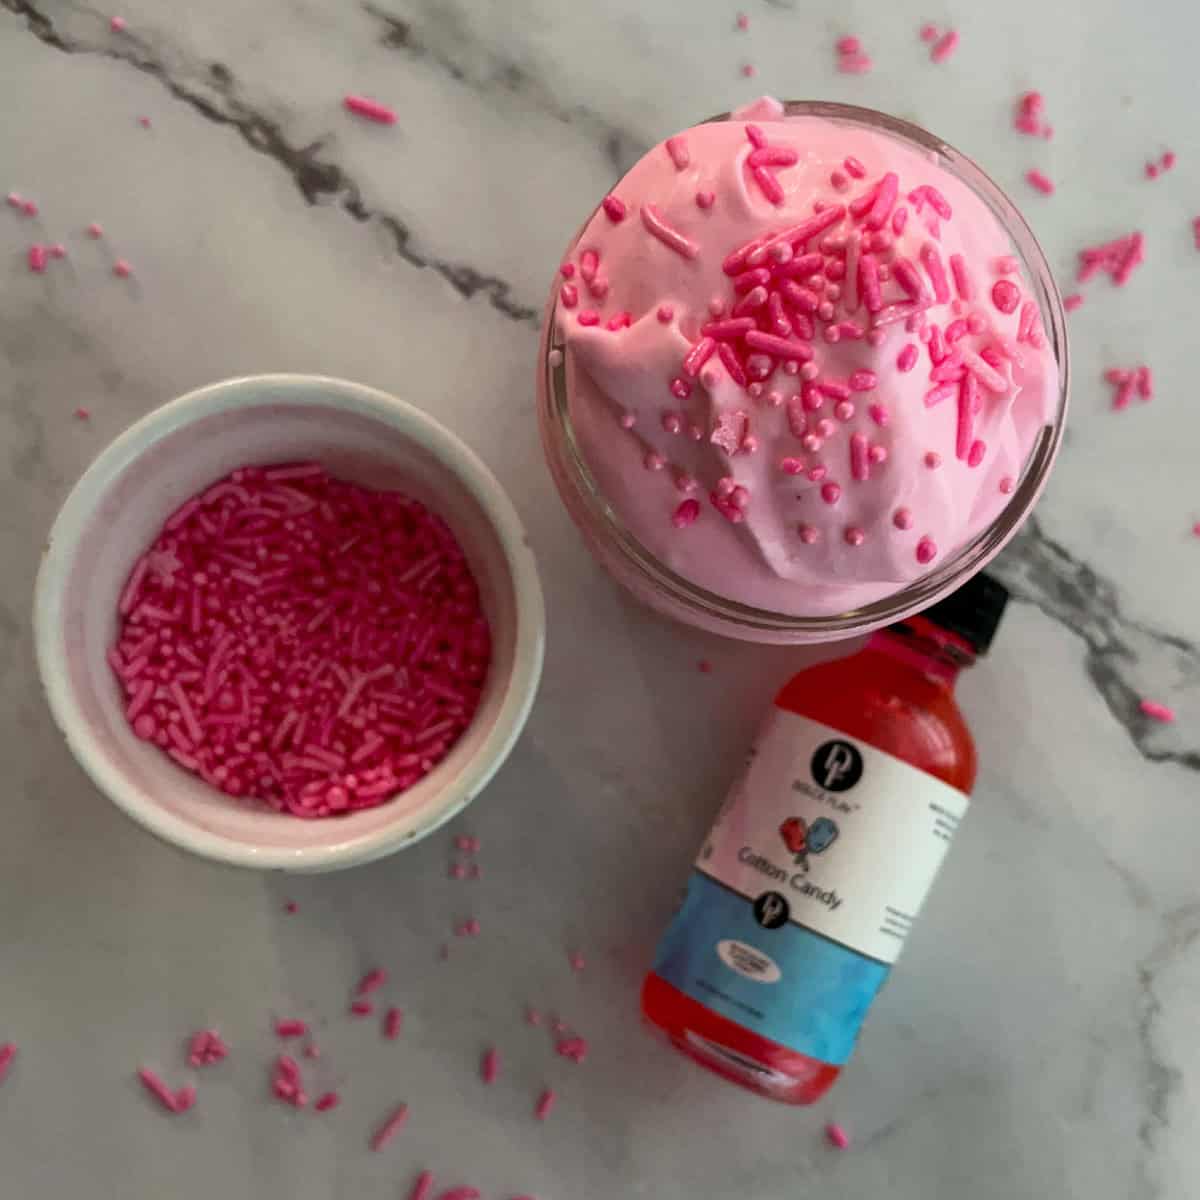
(787, 984)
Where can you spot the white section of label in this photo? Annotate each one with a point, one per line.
(848, 835)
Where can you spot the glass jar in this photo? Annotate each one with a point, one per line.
(654, 583)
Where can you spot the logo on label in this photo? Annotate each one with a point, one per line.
(836, 766)
(803, 839)
(771, 910)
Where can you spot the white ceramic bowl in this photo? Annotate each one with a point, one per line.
(118, 507)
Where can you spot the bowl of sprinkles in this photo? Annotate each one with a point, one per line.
(289, 622)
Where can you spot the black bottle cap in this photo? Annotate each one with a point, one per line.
(972, 612)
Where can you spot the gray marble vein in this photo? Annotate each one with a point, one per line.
(446, 34)
(215, 94)
(1126, 658)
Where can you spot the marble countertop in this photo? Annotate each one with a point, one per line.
(1040, 1035)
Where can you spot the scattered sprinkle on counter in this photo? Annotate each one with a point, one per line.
(371, 110)
(837, 1136)
(1157, 712)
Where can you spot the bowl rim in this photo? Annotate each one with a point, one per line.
(66, 534)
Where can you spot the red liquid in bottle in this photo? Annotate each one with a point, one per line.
(896, 695)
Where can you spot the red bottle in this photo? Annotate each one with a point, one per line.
(821, 856)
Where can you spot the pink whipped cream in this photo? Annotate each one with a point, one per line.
(803, 363)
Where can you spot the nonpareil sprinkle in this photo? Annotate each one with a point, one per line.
(301, 641)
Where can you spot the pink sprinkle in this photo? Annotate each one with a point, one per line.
(677, 148)
(749, 70)
(312, 1050)
(705, 199)
(362, 106)
(854, 64)
(976, 453)
(95, 231)
(83, 414)
(929, 32)
(848, 44)
(14, 200)
(393, 1022)
(669, 237)
(743, 22)
(577, 961)
(589, 317)
(1072, 302)
(121, 269)
(29, 208)
(371, 981)
(1157, 711)
(1041, 182)
(326, 1101)
(879, 414)
(8, 1051)
(902, 518)
(837, 1136)
(545, 1104)
(926, 550)
(206, 1048)
(57, 250)
(665, 314)
(1006, 295)
(859, 467)
(1028, 116)
(489, 1069)
(831, 493)
(388, 1130)
(931, 260)
(144, 122)
(854, 536)
(575, 1048)
(962, 278)
(290, 1029)
(1168, 160)
(38, 258)
(768, 184)
(362, 1008)
(614, 207)
(172, 1102)
(1117, 259)
(944, 46)
(907, 358)
(117, 24)
(423, 1186)
(468, 928)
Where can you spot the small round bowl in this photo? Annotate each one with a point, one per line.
(118, 507)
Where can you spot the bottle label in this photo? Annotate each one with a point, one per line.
(808, 884)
